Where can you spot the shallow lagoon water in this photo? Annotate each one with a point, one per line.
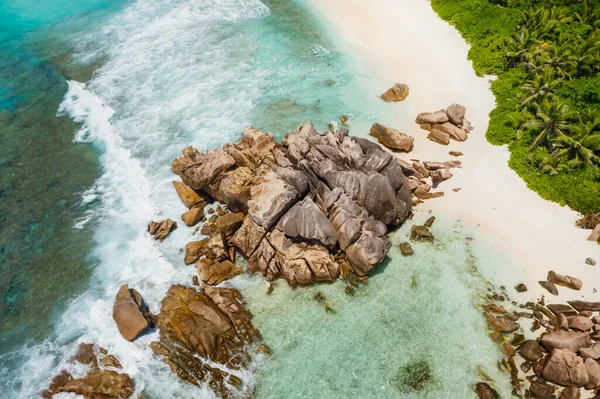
(168, 74)
(415, 316)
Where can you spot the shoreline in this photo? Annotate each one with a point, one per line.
(493, 199)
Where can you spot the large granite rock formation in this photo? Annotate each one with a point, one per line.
(304, 198)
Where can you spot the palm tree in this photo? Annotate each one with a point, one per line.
(559, 58)
(571, 148)
(518, 46)
(587, 16)
(554, 118)
(541, 87)
(583, 142)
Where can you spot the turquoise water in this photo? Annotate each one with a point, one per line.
(42, 172)
(99, 98)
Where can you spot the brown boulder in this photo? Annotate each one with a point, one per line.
(406, 249)
(592, 352)
(130, 313)
(571, 340)
(581, 323)
(590, 261)
(530, 350)
(247, 238)
(160, 230)
(193, 216)
(421, 234)
(438, 176)
(549, 286)
(501, 323)
(593, 371)
(565, 281)
(456, 113)
(101, 384)
(214, 273)
(97, 383)
(571, 392)
(213, 247)
(397, 93)
(198, 325)
(581, 306)
(234, 189)
(442, 165)
(229, 223)
(201, 170)
(484, 391)
(191, 319)
(564, 367)
(299, 263)
(432, 118)
(541, 390)
(451, 130)
(392, 138)
(521, 288)
(439, 136)
(188, 196)
(595, 234)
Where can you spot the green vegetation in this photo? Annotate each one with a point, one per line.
(546, 55)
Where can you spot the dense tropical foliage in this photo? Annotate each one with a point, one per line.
(546, 55)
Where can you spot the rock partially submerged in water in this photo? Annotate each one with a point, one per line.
(421, 234)
(130, 313)
(160, 230)
(101, 380)
(199, 325)
(397, 93)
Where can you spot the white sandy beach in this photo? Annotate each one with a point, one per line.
(405, 41)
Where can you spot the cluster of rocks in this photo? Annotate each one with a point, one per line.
(314, 208)
(424, 176)
(104, 377)
(305, 209)
(447, 124)
(553, 279)
(563, 358)
(310, 210)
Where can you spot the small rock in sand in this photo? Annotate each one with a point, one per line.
(397, 93)
(549, 286)
(565, 281)
(406, 249)
(590, 262)
(521, 288)
(421, 234)
(429, 222)
(455, 153)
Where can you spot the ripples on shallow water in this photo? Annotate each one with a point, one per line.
(175, 73)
